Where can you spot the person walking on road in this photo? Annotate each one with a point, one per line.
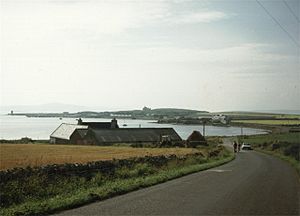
(239, 147)
(234, 146)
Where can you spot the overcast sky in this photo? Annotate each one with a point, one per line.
(206, 55)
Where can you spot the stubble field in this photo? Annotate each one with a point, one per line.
(22, 155)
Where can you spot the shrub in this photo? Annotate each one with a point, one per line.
(275, 146)
(292, 151)
(98, 179)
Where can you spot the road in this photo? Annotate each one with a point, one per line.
(252, 184)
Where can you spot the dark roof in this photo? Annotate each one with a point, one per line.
(196, 136)
(98, 125)
(127, 135)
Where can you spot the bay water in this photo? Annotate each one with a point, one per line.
(16, 127)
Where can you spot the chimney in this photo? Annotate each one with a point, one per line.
(79, 121)
(114, 123)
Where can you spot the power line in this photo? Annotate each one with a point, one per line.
(273, 18)
(290, 9)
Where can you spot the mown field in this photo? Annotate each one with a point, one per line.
(269, 122)
(22, 155)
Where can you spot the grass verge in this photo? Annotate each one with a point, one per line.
(83, 195)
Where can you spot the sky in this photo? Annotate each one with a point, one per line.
(204, 55)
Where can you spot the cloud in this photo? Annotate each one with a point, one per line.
(201, 17)
(102, 17)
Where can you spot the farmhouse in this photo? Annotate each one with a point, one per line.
(108, 133)
(221, 119)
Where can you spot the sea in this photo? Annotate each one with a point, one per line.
(17, 127)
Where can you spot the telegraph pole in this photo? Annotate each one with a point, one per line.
(241, 133)
(203, 132)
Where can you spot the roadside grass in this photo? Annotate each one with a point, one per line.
(23, 155)
(78, 191)
(285, 146)
(270, 122)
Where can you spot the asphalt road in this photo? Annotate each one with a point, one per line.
(252, 184)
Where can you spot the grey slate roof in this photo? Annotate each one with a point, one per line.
(64, 131)
(98, 125)
(127, 135)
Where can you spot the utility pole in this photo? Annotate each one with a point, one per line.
(241, 133)
(203, 132)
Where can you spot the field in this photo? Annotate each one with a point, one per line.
(269, 122)
(22, 155)
(271, 138)
(251, 114)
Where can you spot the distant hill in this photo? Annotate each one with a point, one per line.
(176, 110)
(145, 113)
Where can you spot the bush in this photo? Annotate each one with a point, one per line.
(275, 146)
(292, 151)
(98, 179)
(143, 169)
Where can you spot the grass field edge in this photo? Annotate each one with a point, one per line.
(83, 197)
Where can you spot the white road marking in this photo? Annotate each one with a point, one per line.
(219, 170)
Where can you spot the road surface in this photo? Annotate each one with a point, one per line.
(252, 184)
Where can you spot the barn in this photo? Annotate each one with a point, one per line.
(195, 139)
(69, 133)
(131, 135)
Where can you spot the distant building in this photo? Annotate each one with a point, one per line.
(223, 119)
(146, 109)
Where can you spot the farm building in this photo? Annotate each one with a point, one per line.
(68, 133)
(131, 135)
(108, 133)
(195, 139)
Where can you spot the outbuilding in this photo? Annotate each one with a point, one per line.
(195, 139)
(69, 133)
(131, 135)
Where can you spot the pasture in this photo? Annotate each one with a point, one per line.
(293, 138)
(23, 155)
(269, 122)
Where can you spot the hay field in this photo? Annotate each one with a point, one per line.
(22, 155)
